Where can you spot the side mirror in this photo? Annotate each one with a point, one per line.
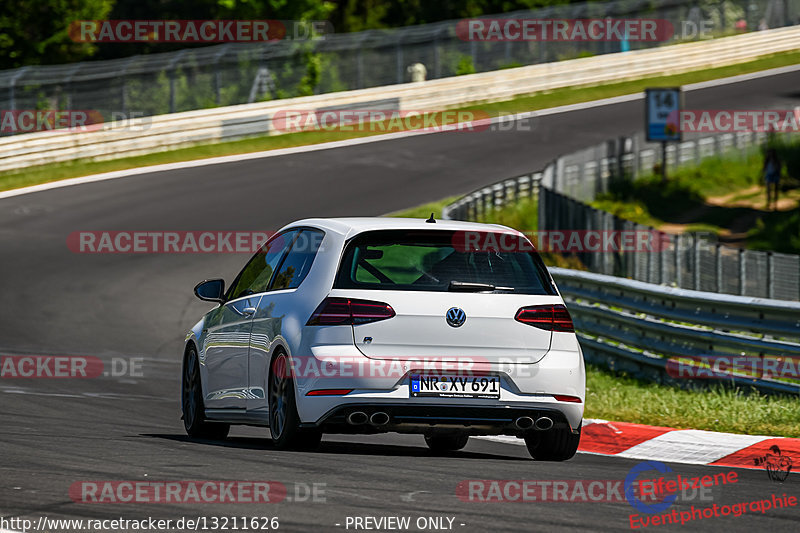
(211, 290)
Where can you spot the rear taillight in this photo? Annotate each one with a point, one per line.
(565, 398)
(329, 392)
(349, 312)
(547, 317)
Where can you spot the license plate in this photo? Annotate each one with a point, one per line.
(448, 386)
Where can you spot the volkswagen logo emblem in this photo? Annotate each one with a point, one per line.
(456, 317)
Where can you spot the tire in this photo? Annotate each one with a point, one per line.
(447, 442)
(553, 445)
(284, 422)
(192, 404)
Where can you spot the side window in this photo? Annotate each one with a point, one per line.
(255, 276)
(298, 261)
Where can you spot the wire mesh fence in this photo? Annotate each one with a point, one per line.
(228, 74)
(692, 261)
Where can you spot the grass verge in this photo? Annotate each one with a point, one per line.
(58, 171)
(620, 397)
(722, 194)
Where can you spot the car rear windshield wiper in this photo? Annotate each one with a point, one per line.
(465, 286)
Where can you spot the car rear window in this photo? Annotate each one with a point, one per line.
(430, 260)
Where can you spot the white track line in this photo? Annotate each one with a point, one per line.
(691, 446)
(374, 138)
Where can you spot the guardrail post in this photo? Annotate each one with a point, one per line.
(677, 259)
(12, 89)
(696, 249)
(399, 48)
(360, 68)
(172, 72)
(437, 56)
(608, 227)
(536, 181)
(770, 276)
(742, 271)
(172, 91)
(538, 197)
(473, 51)
(654, 276)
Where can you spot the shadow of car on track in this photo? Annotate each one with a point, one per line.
(333, 447)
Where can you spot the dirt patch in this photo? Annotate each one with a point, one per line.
(750, 205)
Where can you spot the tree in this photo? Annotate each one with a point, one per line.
(34, 32)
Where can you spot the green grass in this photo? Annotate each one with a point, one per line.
(573, 95)
(58, 171)
(425, 210)
(649, 200)
(521, 215)
(683, 199)
(622, 398)
(777, 231)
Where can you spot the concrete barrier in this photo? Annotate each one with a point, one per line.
(177, 130)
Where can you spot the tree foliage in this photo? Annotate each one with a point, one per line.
(35, 31)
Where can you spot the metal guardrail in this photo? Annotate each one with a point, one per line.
(230, 74)
(691, 261)
(643, 328)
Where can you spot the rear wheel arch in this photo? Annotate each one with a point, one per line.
(290, 435)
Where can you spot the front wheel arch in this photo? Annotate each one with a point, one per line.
(192, 404)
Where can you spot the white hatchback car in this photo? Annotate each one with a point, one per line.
(367, 325)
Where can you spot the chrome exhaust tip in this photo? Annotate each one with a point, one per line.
(544, 423)
(524, 422)
(379, 419)
(357, 418)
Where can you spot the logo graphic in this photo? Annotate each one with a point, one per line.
(630, 482)
(777, 466)
(456, 317)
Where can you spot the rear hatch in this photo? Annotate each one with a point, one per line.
(424, 276)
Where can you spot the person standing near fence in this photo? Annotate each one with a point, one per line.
(772, 176)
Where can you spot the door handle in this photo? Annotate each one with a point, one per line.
(248, 311)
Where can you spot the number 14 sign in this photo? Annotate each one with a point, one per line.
(662, 113)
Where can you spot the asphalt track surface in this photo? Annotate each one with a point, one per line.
(54, 433)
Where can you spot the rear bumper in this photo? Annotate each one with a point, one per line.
(427, 418)
(528, 388)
